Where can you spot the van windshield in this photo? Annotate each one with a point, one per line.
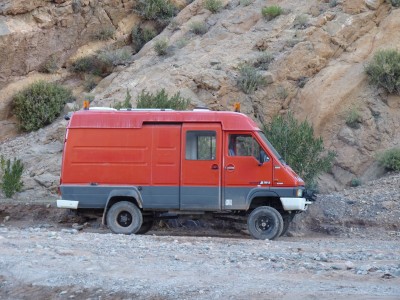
(271, 148)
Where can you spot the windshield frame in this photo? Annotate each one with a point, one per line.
(271, 148)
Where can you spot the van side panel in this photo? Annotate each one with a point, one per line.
(100, 160)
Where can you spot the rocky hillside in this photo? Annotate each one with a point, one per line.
(319, 50)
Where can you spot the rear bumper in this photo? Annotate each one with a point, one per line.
(295, 203)
(71, 204)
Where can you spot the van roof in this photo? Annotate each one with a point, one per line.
(136, 119)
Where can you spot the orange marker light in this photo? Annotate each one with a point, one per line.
(86, 104)
(236, 107)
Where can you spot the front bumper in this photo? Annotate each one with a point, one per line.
(295, 203)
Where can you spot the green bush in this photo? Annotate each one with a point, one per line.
(105, 33)
(282, 92)
(333, 3)
(114, 57)
(355, 182)
(395, 3)
(198, 27)
(301, 150)
(246, 2)
(40, 104)
(140, 36)
(126, 103)
(213, 5)
(91, 65)
(264, 60)
(271, 12)
(390, 159)
(301, 21)
(353, 118)
(162, 100)
(161, 47)
(11, 176)
(50, 66)
(384, 70)
(158, 10)
(249, 79)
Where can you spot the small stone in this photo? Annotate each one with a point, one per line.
(77, 226)
(6, 218)
(349, 265)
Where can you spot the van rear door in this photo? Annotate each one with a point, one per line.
(201, 167)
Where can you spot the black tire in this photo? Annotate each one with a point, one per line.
(287, 219)
(265, 223)
(124, 217)
(146, 226)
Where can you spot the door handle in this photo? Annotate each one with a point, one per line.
(214, 167)
(230, 167)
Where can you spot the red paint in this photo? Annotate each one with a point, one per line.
(149, 148)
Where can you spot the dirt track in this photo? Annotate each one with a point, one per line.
(52, 261)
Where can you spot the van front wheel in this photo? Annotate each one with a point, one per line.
(124, 217)
(265, 223)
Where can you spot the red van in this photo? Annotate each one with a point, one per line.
(138, 166)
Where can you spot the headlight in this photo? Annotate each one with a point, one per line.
(299, 193)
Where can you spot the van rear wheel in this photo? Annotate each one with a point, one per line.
(265, 223)
(124, 217)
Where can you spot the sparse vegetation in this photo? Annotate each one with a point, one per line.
(115, 57)
(271, 12)
(264, 60)
(105, 33)
(126, 103)
(281, 92)
(395, 3)
(90, 83)
(390, 159)
(298, 146)
(91, 65)
(213, 5)
(353, 118)
(162, 100)
(301, 82)
(246, 2)
(355, 182)
(140, 36)
(158, 10)
(50, 65)
(333, 3)
(384, 70)
(292, 42)
(198, 27)
(40, 104)
(11, 176)
(161, 47)
(182, 42)
(249, 79)
(301, 21)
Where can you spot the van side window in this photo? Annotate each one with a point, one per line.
(246, 145)
(200, 145)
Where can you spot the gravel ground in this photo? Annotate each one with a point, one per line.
(345, 246)
(39, 262)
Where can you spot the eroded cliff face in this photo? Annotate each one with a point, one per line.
(317, 72)
(35, 32)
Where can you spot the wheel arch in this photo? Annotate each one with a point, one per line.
(260, 197)
(131, 195)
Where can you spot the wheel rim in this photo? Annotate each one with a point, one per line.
(124, 219)
(263, 224)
